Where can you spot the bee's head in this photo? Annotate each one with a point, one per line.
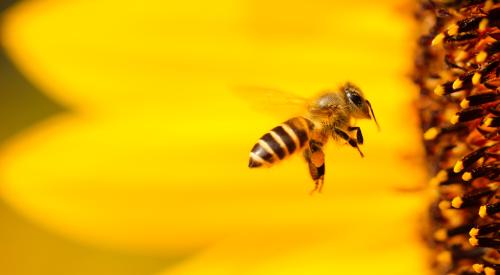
(361, 108)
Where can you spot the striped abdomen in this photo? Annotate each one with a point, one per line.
(281, 141)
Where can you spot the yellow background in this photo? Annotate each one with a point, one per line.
(149, 158)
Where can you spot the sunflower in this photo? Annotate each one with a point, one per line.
(457, 72)
(151, 155)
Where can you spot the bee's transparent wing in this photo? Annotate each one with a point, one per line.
(272, 101)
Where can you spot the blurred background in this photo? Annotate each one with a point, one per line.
(124, 148)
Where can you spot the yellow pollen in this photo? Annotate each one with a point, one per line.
(482, 25)
(474, 232)
(480, 161)
(442, 175)
(459, 166)
(489, 271)
(457, 84)
(317, 158)
(476, 78)
(444, 257)
(459, 149)
(488, 121)
(438, 39)
(461, 55)
(454, 119)
(487, 5)
(431, 133)
(444, 205)
(478, 268)
(434, 182)
(481, 57)
(473, 241)
(464, 104)
(457, 202)
(453, 29)
(440, 235)
(482, 211)
(467, 176)
(439, 90)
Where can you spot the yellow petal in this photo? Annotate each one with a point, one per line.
(343, 249)
(154, 155)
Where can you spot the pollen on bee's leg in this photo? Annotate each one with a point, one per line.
(318, 158)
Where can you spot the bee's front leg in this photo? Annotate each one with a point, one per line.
(359, 135)
(346, 137)
(315, 158)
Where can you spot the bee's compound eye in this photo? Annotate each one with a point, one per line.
(355, 98)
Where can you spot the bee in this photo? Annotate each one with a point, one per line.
(328, 115)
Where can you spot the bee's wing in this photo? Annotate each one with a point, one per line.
(272, 101)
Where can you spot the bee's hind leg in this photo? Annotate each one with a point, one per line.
(315, 158)
(346, 137)
(359, 135)
(318, 186)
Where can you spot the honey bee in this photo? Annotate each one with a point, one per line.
(329, 114)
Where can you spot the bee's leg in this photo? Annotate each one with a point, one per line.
(316, 160)
(359, 135)
(347, 138)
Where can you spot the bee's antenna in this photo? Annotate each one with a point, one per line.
(373, 114)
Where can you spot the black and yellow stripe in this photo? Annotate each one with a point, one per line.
(280, 142)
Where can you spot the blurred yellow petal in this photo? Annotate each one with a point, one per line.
(378, 245)
(154, 155)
